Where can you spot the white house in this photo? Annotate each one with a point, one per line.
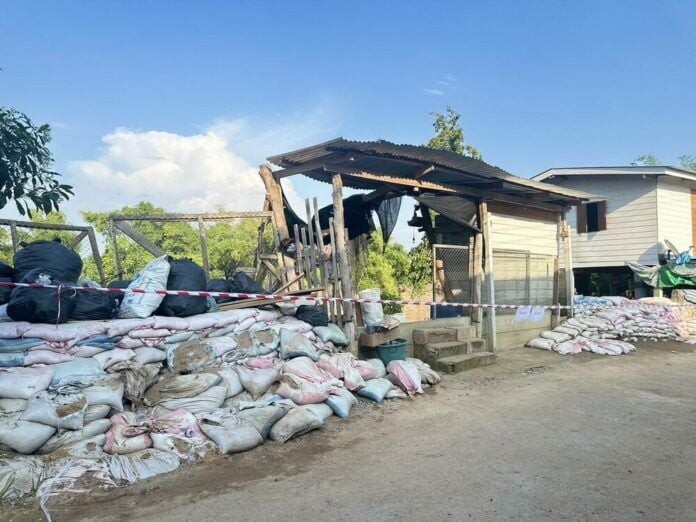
(642, 207)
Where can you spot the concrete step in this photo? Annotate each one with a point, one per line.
(445, 349)
(475, 345)
(460, 363)
(433, 335)
(464, 333)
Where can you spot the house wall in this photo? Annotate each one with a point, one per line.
(674, 211)
(511, 232)
(632, 231)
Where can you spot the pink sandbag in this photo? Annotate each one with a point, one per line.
(301, 391)
(12, 330)
(340, 365)
(175, 324)
(366, 370)
(128, 343)
(259, 363)
(201, 322)
(119, 327)
(178, 422)
(128, 433)
(305, 368)
(46, 357)
(147, 333)
(407, 375)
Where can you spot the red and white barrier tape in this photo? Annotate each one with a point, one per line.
(318, 299)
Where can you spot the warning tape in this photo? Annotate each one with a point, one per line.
(319, 299)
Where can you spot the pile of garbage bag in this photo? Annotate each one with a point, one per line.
(608, 325)
(124, 399)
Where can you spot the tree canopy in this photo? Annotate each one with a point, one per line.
(686, 161)
(26, 176)
(449, 135)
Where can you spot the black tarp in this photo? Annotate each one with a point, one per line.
(459, 209)
(387, 213)
(51, 257)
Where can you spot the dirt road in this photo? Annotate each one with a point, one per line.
(538, 436)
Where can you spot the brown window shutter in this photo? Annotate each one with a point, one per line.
(602, 215)
(581, 214)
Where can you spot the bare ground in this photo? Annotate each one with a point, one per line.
(538, 436)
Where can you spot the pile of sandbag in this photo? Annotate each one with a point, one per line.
(608, 326)
(124, 399)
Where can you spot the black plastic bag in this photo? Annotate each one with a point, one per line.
(184, 274)
(220, 285)
(119, 283)
(54, 259)
(314, 315)
(5, 291)
(41, 305)
(243, 284)
(94, 304)
(6, 270)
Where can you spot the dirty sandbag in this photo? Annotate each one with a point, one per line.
(23, 436)
(296, 422)
(555, 336)
(108, 394)
(230, 378)
(190, 357)
(41, 305)
(257, 381)
(94, 305)
(375, 389)
(147, 354)
(307, 369)
(396, 393)
(203, 403)
(230, 433)
(321, 410)
(244, 284)
(68, 438)
(263, 417)
(293, 344)
(301, 391)
(184, 274)
(407, 376)
(134, 377)
(180, 386)
(142, 465)
(76, 371)
(108, 358)
(12, 405)
(541, 343)
(63, 412)
(52, 257)
(314, 315)
(188, 449)
(373, 314)
(428, 375)
(219, 285)
(87, 448)
(341, 402)
(22, 383)
(19, 476)
(96, 411)
(378, 365)
(331, 333)
(153, 277)
(128, 433)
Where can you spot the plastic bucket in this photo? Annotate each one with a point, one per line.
(392, 351)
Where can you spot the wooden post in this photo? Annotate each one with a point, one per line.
(274, 193)
(556, 314)
(342, 255)
(204, 247)
(568, 263)
(15, 238)
(95, 254)
(490, 279)
(114, 246)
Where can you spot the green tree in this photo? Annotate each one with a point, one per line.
(25, 165)
(450, 136)
(646, 160)
(688, 162)
(386, 268)
(28, 235)
(420, 267)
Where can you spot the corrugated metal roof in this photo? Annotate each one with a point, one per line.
(397, 160)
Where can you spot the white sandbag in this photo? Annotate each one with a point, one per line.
(375, 389)
(96, 411)
(229, 433)
(541, 343)
(574, 323)
(206, 402)
(67, 438)
(78, 370)
(230, 378)
(110, 394)
(555, 336)
(19, 476)
(152, 277)
(86, 350)
(573, 346)
(305, 368)
(142, 465)
(396, 393)
(331, 333)
(221, 345)
(180, 386)
(23, 436)
(296, 422)
(301, 391)
(149, 333)
(90, 448)
(63, 412)
(379, 366)
(293, 344)
(147, 355)
(407, 376)
(22, 383)
(263, 417)
(46, 357)
(567, 330)
(322, 410)
(12, 405)
(257, 381)
(372, 313)
(188, 449)
(111, 357)
(341, 401)
(428, 375)
(342, 366)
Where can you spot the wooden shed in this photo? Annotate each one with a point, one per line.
(478, 207)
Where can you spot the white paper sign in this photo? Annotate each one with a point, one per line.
(537, 314)
(523, 314)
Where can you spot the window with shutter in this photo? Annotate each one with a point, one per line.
(592, 217)
(581, 211)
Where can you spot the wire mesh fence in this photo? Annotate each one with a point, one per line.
(451, 278)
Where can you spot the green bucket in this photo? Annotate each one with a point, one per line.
(392, 351)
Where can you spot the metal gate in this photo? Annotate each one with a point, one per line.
(451, 279)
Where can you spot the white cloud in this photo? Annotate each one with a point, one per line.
(434, 92)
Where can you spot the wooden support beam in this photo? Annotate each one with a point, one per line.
(568, 265)
(485, 219)
(204, 246)
(114, 246)
(422, 172)
(42, 226)
(14, 236)
(220, 216)
(274, 193)
(95, 254)
(76, 240)
(139, 238)
(342, 254)
(556, 314)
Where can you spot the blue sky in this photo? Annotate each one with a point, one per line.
(179, 101)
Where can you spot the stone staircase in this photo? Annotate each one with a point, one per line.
(451, 349)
